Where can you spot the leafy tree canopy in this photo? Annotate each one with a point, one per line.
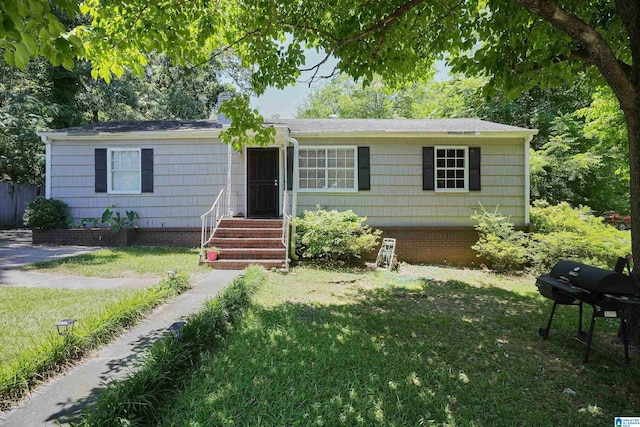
(579, 155)
(515, 46)
(458, 96)
(518, 45)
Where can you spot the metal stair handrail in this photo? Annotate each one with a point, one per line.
(210, 221)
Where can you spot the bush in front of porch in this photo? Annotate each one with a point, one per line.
(332, 238)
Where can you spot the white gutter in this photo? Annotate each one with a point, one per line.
(133, 135)
(229, 186)
(296, 173)
(527, 179)
(414, 134)
(47, 166)
(284, 177)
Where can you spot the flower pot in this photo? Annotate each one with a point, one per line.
(212, 256)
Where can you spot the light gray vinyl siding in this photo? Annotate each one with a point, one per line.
(396, 197)
(188, 175)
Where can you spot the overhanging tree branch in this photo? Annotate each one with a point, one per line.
(598, 51)
(577, 55)
(339, 42)
(380, 25)
(399, 12)
(133, 24)
(226, 48)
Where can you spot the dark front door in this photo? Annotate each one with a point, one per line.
(262, 182)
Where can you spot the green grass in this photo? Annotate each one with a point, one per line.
(31, 351)
(425, 347)
(169, 361)
(128, 261)
(27, 315)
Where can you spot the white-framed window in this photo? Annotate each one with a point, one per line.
(328, 168)
(124, 171)
(451, 168)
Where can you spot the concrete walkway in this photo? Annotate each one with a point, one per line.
(61, 400)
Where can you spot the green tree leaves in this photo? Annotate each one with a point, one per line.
(44, 96)
(579, 154)
(32, 27)
(248, 129)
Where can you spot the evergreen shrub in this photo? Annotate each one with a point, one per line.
(560, 233)
(47, 214)
(500, 245)
(563, 232)
(333, 238)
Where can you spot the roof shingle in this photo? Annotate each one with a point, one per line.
(395, 125)
(143, 126)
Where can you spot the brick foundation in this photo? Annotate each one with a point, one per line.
(85, 237)
(428, 245)
(434, 245)
(185, 237)
(188, 237)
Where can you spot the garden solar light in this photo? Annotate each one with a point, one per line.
(171, 274)
(176, 329)
(65, 326)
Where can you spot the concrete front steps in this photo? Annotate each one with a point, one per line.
(244, 241)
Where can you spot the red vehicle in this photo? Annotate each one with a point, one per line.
(619, 221)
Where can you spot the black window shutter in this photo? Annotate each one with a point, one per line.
(428, 172)
(364, 169)
(101, 170)
(474, 168)
(289, 168)
(147, 170)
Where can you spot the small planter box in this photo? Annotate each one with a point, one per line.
(85, 237)
(212, 256)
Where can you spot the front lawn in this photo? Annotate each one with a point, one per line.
(27, 315)
(128, 261)
(31, 350)
(428, 346)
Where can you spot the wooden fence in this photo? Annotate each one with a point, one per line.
(13, 200)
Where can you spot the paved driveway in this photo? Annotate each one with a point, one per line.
(16, 250)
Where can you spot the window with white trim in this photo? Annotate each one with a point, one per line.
(124, 171)
(327, 169)
(452, 168)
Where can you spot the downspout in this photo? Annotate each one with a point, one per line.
(284, 176)
(224, 120)
(296, 173)
(527, 179)
(47, 166)
(294, 192)
(229, 163)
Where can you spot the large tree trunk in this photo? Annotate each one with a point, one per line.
(632, 116)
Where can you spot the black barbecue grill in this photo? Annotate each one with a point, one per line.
(609, 293)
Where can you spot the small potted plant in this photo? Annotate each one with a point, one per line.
(212, 253)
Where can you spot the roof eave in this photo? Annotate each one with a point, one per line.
(131, 135)
(414, 134)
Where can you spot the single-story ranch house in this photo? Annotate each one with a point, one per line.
(417, 180)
